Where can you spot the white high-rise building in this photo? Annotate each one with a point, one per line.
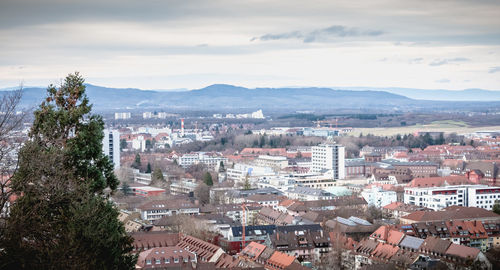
(122, 115)
(111, 146)
(329, 158)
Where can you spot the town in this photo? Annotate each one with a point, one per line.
(233, 197)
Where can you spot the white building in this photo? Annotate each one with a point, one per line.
(240, 171)
(281, 183)
(257, 115)
(157, 209)
(275, 162)
(437, 198)
(211, 160)
(111, 146)
(329, 158)
(308, 194)
(184, 186)
(147, 115)
(122, 115)
(139, 143)
(379, 197)
(142, 178)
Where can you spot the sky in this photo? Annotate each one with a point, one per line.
(162, 44)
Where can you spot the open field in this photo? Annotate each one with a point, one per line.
(448, 126)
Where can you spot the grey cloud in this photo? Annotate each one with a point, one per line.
(494, 69)
(443, 81)
(417, 60)
(294, 34)
(321, 34)
(446, 61)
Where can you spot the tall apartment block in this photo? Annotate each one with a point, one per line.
(329, 158)
(111, 146)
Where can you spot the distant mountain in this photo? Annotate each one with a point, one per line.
(438, 94)
(221, 97)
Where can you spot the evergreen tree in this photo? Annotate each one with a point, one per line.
(221, 167)
(157, 178)
(137, 161)
(246, 184)
(148, 168)
(123, 144)
(496, 207)
(62, 218)
(126, 190)
(207, 178)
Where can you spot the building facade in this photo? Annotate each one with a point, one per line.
(111, 146)
(329, 157)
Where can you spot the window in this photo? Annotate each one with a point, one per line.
(176, 260)
(148, 262)
(167, 260)
(158, 261)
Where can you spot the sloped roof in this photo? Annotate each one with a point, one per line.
(452, 212)
(253, 250)
(154, 239)
(439, 181)
(281, 259)
(411, 242)
(462, 251)
(394, 237)
(434, 244)
(384, 251)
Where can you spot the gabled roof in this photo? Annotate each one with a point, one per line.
(436, 245)
(381, 233)
(462, 251)
(384, 251)
(451, 213)
(439, 181)
(367, 246)
(411, 242)
(281, 259)
(253, 250)
(394, 237)
(146, 240)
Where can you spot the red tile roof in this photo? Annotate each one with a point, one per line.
(280, 259)
(462, 251)
(439, 181)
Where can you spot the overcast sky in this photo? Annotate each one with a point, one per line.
(161, 44)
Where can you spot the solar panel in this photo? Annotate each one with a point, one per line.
(360, 221)
(346, 221)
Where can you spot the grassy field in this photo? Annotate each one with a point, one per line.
(448, 126)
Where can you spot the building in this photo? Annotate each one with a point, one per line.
(275, 162)
(437, 198)
(111, 146)
(211, 160)
(184, 186)
(451, 213)
(165, 257)
(155, 210)
(329, 158)
(147, 191)
(122, 115)
(378, 197)
(308, 194)
(147, 115)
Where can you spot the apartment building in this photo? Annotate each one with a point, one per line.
(211, 160)
(111, 146)
(329, 158)
(437, 198)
